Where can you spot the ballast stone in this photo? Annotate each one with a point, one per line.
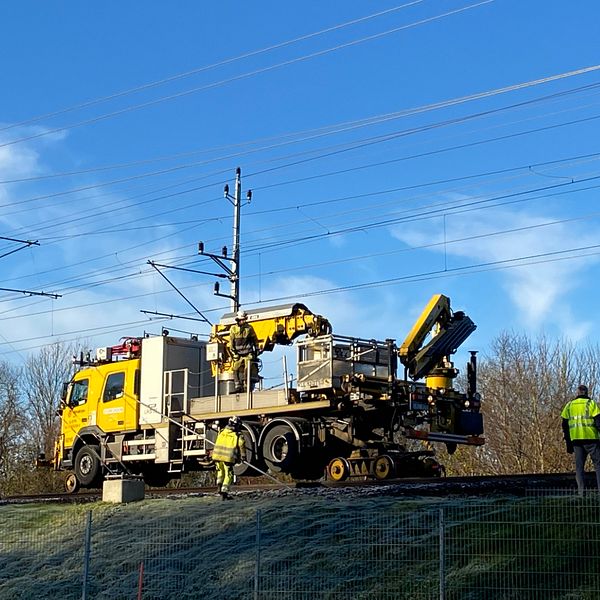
(119, 491)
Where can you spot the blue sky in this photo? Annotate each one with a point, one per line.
(394, 150)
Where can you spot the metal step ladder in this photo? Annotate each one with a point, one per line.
(176, 403)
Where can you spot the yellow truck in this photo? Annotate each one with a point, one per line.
(152, 406)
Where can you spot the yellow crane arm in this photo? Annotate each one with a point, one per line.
(276, 325)
(437, 309)
(448, 331)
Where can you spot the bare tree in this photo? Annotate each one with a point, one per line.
(12, 423)
(44, 375)
(524, 384)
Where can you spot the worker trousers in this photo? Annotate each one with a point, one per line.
(581, 452)
(224, 476)
(240, 371)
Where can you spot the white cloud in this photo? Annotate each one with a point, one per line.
(538, 291)
(17, 162)
(22, 159)
(338, 308)
(378, 313)
(45, 267)
(338, 241)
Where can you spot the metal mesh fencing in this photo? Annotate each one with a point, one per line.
(41, 554)
(347, 552)
(175, 557)
(323, 548)
(535, 548)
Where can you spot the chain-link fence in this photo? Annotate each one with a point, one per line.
(367, 548)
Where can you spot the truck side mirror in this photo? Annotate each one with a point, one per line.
(65, 391)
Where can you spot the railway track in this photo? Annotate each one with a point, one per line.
(521, 484)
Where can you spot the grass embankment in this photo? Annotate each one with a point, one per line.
(318, 546)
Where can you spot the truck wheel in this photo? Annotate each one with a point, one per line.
(280, 449)
(87, 465)
(251, 435)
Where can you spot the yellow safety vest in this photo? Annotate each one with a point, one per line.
(229, 446)
(580, 413)
(242, 339)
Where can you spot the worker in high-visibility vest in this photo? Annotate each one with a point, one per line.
(229, 449)
(243, 345)
(581, 428)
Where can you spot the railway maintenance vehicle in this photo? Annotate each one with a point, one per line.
(152, 406)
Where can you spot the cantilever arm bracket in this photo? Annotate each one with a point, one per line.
(169, 316)
(30, 293)
(153, 265)
(25, 244)
(190, 270)
(220, 262)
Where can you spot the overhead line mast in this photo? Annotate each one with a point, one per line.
(232, 271)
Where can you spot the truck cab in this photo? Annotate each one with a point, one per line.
(103, 397)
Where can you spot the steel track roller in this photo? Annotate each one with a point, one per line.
(383, 467)
(338, 469)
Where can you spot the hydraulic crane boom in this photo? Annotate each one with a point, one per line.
(276, 325)
(448, 330)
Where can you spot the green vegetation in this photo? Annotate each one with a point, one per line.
(323, 545)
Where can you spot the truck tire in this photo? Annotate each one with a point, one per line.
(251, 459)
(280, 449)
(87, 465)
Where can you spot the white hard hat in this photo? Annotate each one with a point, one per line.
(241, 314)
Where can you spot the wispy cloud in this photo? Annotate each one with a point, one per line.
(539, 291)
(60, 262)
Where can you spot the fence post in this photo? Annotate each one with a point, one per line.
(86, 554)
(140, 581)
(442, 543)
(257, 561)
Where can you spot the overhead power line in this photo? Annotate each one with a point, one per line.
(277, 141)
(568, 160)
(535, 259)
(24, 244)
(330, 151)
(242, 76)
(419, 155)
(122, 207)
(30, 293)
(196, 71)
(406, 219)
(418, 216)
(517, 262)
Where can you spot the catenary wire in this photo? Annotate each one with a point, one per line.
(241, 76)
(335, 200)
(215, 65)
(488, 140)
(343, 148)
(284, 139)
(138, 296)
(537, 165)
(535, 259)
